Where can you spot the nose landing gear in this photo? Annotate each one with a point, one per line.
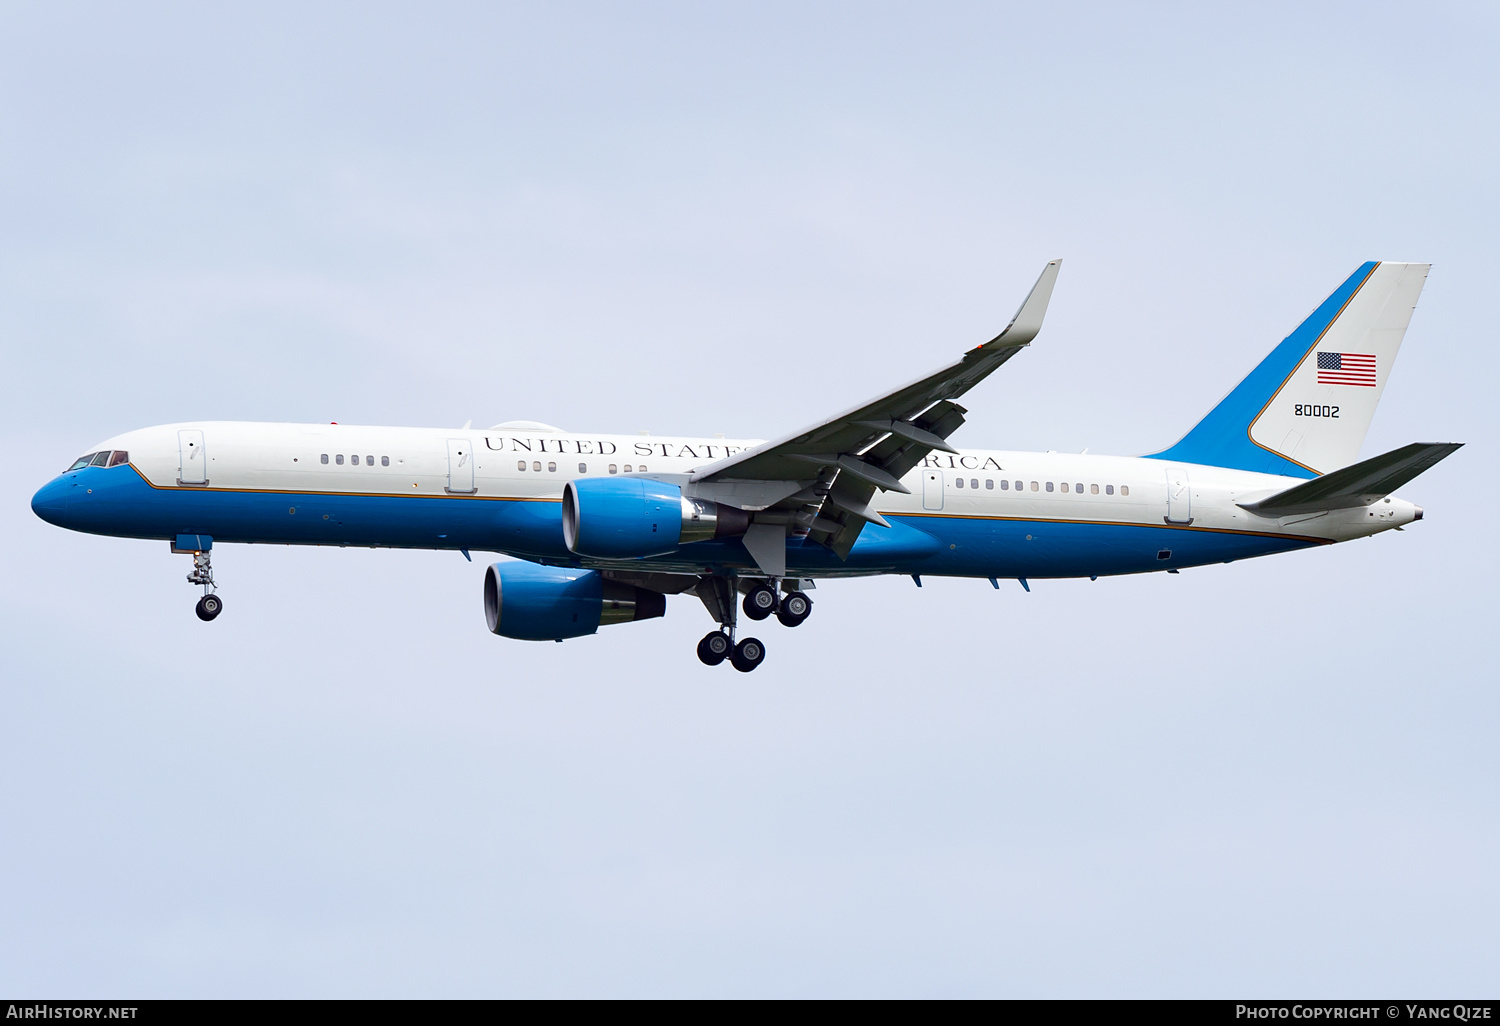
(210, 605)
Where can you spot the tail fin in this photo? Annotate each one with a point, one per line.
(1305, 409)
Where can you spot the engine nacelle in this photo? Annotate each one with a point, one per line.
(631, 517)
(549, 603)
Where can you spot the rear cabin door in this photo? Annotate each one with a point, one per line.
(1179, 497)
(192, 468)
(460, 467)
(932, 489)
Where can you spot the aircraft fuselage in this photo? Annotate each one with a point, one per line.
(976, 513)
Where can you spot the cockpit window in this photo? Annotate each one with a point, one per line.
(107, 458)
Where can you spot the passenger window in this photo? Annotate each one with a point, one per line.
(520, 464)
(1109, 489)
(1124, 489)
(1049, 486)
(641, 468)
(613, 469)
(989, 484)
(1034, 486)
(958, 482)
(583, 468)
(552, 468)
(369, 461)
(1078, 487)
(536, 465)
(339, 459)
(324, 458)
(1064, 486)
(1005, 486)
(1093, 489)
(385, 461)
(627, 469)
(973, 482)
(120, 456)
(1018, 486)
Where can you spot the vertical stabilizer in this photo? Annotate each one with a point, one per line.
(1306, 408)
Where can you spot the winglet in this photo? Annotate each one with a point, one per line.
(1027, 322)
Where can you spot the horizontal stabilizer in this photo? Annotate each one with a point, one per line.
(1356, 485)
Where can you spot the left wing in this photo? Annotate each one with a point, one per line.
(823, 477)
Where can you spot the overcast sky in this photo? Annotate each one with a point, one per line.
(1277, 777)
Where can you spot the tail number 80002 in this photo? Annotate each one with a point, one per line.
(1310, 410)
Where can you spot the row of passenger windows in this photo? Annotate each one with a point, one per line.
(107, 458)
(385, 461)
(338, 458)
(583, 468)
(112, 459)
(1037, 486)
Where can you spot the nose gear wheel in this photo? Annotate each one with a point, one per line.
(209, 606)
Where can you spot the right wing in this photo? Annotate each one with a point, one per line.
(823, 477)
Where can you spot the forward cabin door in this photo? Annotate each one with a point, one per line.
(932, 489)
(460, 467)
(1179, 497)
(192, 467)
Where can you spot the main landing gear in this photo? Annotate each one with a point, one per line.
(791, 609)
(718, 595)
(210, 605)
(717, 646)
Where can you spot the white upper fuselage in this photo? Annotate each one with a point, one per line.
(531, 464)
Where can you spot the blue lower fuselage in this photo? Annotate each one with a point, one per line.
(118, 501)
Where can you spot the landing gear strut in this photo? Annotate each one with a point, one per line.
(210, 605)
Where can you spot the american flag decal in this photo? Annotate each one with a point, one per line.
(1346, 369)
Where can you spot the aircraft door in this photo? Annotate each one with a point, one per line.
(1179, 497)
(192, 467)
(460, 467)
(932, 489)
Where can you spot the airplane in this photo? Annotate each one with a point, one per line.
(600, 528)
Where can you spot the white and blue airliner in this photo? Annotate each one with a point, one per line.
(601, 528)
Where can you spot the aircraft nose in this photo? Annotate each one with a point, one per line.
(51, 501)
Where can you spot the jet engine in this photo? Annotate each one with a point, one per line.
(549, 603)
(631, 517)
